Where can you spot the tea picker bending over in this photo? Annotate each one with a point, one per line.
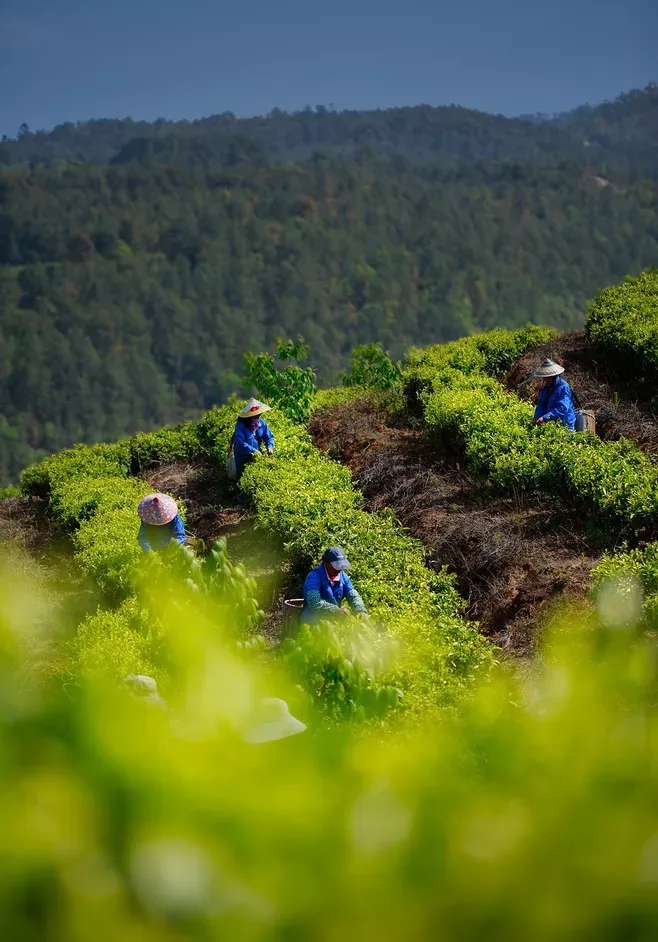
(250, 433)
(555, 403)
(161, 523)
(327, 585)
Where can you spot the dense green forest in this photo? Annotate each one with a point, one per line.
(130, 291)
(622, 133)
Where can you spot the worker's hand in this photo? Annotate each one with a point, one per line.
(270, 452)
(364, 615)
(540, 420)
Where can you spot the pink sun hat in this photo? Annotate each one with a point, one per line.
(157, 509)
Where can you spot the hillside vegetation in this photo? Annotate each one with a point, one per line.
(129, 294)
(432, 792)
(305, 501)
(140, 262)
(623, 325)
(621, 133)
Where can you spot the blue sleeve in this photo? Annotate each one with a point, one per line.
(267, 435)
(240, 444)
(143, 542)
(313, 596)
(561, 404)
(354, 599)
(312, 581)
(178, 530)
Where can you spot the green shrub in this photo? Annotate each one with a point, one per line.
(614, 483)
(500, 348)
(223, 584)
(529, 813)
(492, 354)
(341, 666)
(107, 550)
(326, 399)
(7, 492)
(622, 323)
(639, 565)
(371, 366)
(168, 444)
(291, 389)
(308, 501)
(76, 500)
(78, 462)
(217, 426)
(113, 644)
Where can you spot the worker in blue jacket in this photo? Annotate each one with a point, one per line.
(161, 523)
(251, 432)
(555, 403)
(327, 586)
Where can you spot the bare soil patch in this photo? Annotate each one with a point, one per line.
(513, 557)
(624, 408)
(25, 523)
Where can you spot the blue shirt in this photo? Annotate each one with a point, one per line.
(555, 403)
(157, 538)
(322, 596)
(246, 443)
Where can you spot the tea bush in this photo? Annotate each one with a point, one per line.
(622, 323)
(613, 483)
(7, 492)
(90, 495)
(82, 461)
(326, 399)
(343, 668)
(225, 585)
(308, 501)
(168, 444)
(113, 643)
(528, 813)
(632, 569)
(492, 353)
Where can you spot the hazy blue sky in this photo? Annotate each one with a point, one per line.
(75, 59)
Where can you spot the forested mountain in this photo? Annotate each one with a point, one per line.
(623, 133)
(139, 262)
(130, 293)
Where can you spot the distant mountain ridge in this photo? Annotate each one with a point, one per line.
(623, 132)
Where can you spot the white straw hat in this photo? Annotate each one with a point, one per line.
(254, 408)
(140, 685)
(271, 721)
(548, 368)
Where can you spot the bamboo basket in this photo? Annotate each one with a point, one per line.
(586, 421)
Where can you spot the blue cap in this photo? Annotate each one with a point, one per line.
(336, 557)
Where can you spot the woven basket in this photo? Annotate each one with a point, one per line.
(586, 421)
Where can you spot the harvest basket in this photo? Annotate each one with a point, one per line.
(585, 421)
(292, 614)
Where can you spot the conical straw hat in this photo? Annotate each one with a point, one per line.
(548, 368)
(157, 509)
(272, 720)
(253, 409)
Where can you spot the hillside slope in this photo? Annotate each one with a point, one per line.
(129, 294)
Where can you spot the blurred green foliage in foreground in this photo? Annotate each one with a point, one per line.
(532, 814)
